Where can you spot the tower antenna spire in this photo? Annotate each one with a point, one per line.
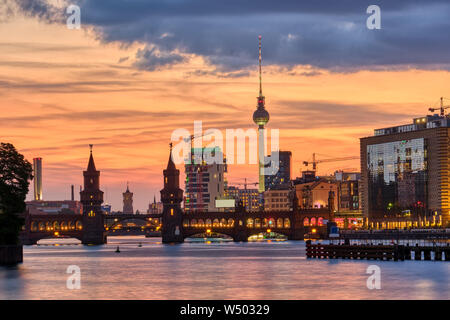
(90, 147)
(260, 70)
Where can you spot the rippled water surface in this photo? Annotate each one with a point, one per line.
(212, 270)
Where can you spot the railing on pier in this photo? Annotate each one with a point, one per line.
(377, 252)
(423, 234)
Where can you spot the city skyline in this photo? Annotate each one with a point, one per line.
(224, 158)
(69, 88)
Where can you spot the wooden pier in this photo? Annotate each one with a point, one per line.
(377, 252)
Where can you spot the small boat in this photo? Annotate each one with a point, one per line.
(140, 244)
(117, 250)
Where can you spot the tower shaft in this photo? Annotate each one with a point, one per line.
(261, 149)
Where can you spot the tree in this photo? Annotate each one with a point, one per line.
(15, 176)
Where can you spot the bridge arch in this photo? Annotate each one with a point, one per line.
(79, 225)
(287, 223)
(306, 222)
(320, 221)
(280, 223)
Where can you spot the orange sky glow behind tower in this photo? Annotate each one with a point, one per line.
(65, 89)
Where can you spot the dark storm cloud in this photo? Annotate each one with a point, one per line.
(151, 59)
(325, 34)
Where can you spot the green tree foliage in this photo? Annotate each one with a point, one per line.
(15, 176)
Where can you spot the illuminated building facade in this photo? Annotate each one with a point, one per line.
(315, 195)
(155, 207)
(204, 183)
(348, 190)
(250, 198)
(283, 174)
(278, 200)
(405, 174)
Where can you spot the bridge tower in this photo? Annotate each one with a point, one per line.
(92, 198)
(171, 197)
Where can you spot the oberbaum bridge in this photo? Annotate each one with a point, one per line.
(90, 227)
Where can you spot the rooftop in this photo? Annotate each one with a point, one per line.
(426, 122)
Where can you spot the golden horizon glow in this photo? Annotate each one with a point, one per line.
(64, 89)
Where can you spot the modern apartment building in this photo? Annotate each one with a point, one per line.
(204, 183)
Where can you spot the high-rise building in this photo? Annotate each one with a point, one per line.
(37, 168)
(348, 191)
(283, 171)
(405, 174)
(128, 201)
(261, 117)
(204, 182)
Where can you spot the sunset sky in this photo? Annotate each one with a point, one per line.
(139, 69)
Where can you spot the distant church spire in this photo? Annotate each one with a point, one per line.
(128, 201)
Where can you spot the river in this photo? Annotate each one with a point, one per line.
(211, 270)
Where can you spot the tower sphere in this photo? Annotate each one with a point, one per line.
(261, 116)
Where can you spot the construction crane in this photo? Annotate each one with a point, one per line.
(442, 108)
(247, 183)
(315, 162)
(192, 138)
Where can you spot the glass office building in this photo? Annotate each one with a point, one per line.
(397, 176)
(405, 173)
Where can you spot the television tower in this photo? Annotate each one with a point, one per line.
(261, 117)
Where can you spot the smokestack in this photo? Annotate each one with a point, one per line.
(37, 170)
(73, 193)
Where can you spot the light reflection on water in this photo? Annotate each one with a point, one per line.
(214, 270)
